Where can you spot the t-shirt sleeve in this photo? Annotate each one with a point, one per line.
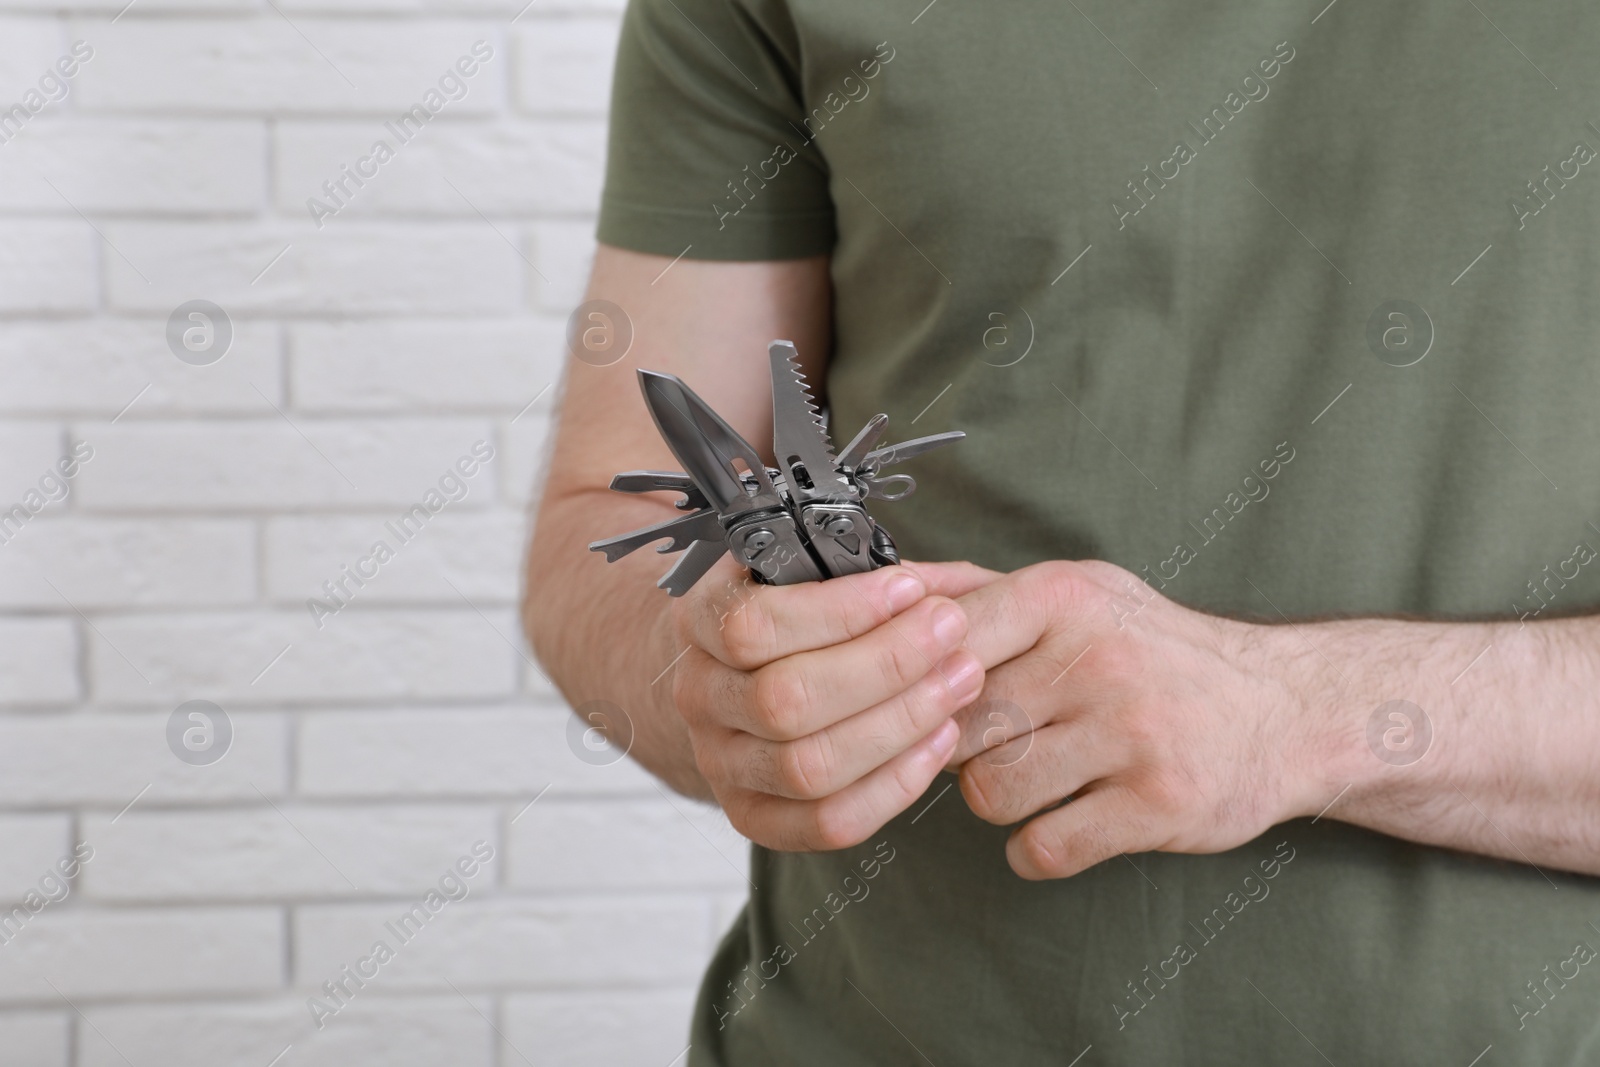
(707, 150)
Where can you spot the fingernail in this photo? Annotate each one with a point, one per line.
(944, 738)
(904, 590)
(960, 672)
(949, 624)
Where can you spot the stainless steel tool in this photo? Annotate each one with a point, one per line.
(802, 521)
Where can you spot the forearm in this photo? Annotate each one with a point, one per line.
(602, 631)
(1512, 768)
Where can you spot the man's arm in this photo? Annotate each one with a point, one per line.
(1512, 767)
(811, 713)
(1178, 731)
(604, 630)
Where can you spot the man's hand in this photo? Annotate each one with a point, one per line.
(819, 711)
(1171, 729)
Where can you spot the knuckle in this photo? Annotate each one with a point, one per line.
(977, 787)
(897, 661)
(1066, 586)
(835, 826)
(1043, 852)
(1164, 793)
(751, 815)
(803, 769)
(748, 635)
(910, 783)
(781, 694)
(909, 717)
(1105, 573)
(1117, 663)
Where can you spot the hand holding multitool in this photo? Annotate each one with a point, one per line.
(800, 522)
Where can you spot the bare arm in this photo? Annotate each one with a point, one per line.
(1496, 748)
(1184, 732)
(603, 630)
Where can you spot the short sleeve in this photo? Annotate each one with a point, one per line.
(708, 156)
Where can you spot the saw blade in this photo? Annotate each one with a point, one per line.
(799, 439)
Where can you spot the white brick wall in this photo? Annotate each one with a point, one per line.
(370, 753)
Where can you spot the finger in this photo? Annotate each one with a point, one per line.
(1106, 821)
(1009, 615)
(822, 763)
(952, 579)
(810, 691)
(849, 816)
(1019, 696)
(748, 625)
(1032, 772)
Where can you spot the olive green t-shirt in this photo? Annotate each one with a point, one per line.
(1286, 307)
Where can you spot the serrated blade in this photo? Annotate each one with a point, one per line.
(706, 446)
(798, 436)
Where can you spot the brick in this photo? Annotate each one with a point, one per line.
(358, 655)
(504, 168)
(563, 252)
(48, 266)
(478, 554)
(292, 851)
(394, 336)
(271, 463)
(563, 845)
(452, 752)
(28, 48)
(27, 451)
(101, 366)
(35, 1038)
(38, 661)
(504, 941)
(33, 844)
(113, 563)
(460, 268)
(108, 760)
(599, 1029)
(134, 164)
(142, 952)
(425, 366)
(564, 65)
(374, 1029)
(262, 64)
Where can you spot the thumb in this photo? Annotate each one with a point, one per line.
(954, 579)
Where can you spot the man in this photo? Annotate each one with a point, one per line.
(1272, 330)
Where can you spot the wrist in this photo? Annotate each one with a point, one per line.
(1319, 745)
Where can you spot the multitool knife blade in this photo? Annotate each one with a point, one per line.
(707, 447)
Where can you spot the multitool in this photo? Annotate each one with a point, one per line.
(802, 521)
